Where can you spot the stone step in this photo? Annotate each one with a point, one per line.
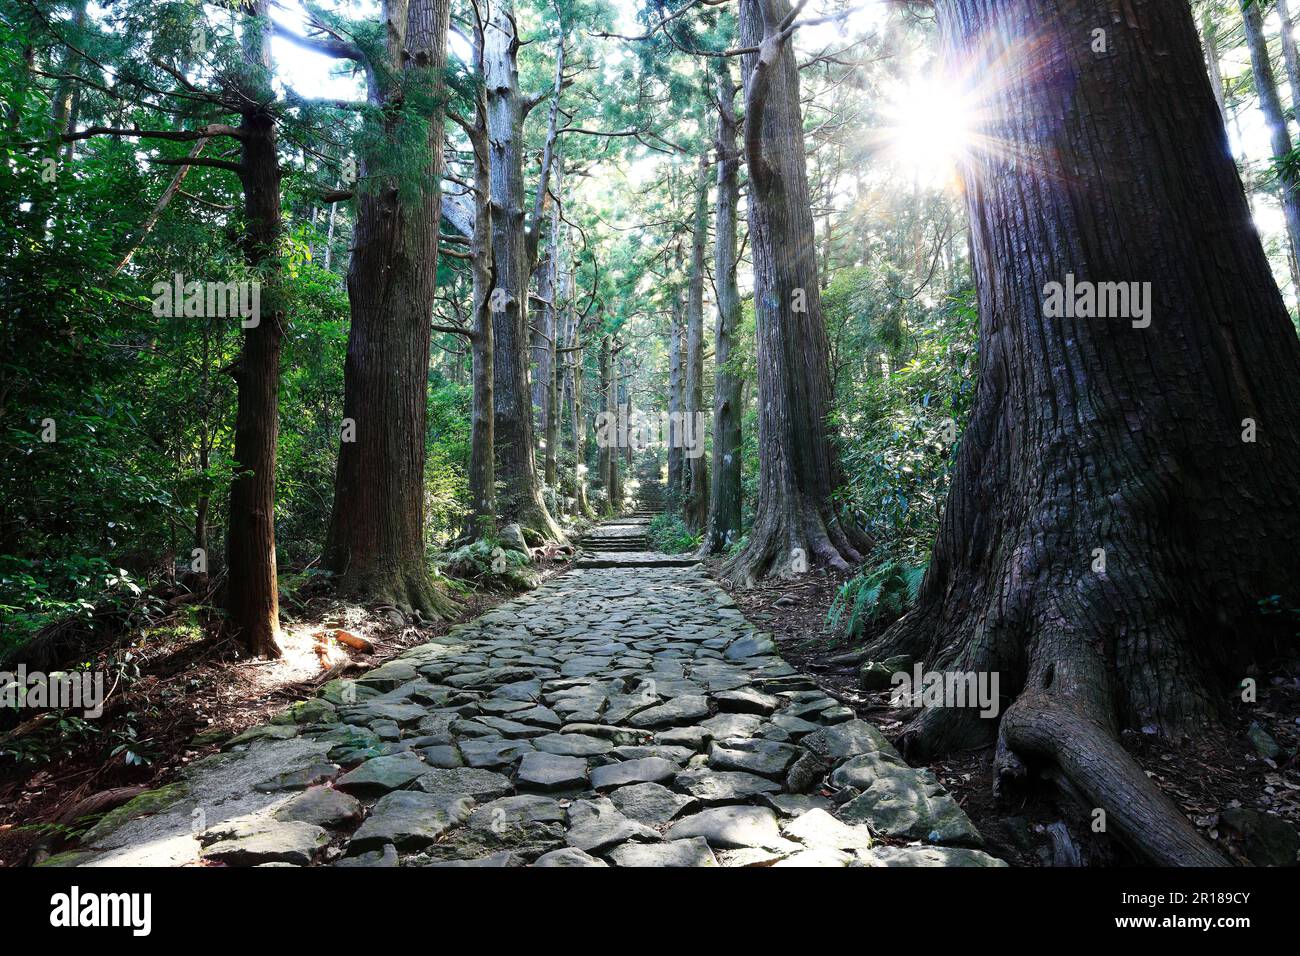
(635, 559)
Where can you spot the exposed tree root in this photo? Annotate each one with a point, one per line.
(536, 518)
(1037, 728)
(410, 590)
(791, 541)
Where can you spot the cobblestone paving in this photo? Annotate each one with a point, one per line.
(614, 717)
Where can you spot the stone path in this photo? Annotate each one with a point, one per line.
(624, 716)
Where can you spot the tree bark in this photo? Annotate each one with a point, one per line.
(676, 390)
(1210, 34)
(482, 469)
(1108, 531)
(520, 498)
(375, 542)
(795, 524)
(546, 337)
(252, 593)
(1290, 57)
(725, 490)
(1270, 104)
(696, 466)
(551, 431)
(582, 505)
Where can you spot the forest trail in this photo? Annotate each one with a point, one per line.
(624, 715)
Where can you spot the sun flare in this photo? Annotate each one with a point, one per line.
(929, 128)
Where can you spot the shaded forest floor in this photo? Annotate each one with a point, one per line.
(1221, 781)
(191, 693)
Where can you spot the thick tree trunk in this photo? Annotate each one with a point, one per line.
(520, 497)
(1270, 105)
(376, 537)
(795, 525)
(1109, 528)
(697, 468)
(725, 493)
(252, 592)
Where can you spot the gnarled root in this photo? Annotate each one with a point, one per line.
(1039, 729)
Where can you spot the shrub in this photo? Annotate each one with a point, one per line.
(668, 534)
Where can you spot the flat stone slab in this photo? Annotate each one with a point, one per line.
(651, 803)
(573, 745)
(543, 771)
(766, 758)
(912, 805)
(323, 807)
(409, 820)
(645, 770)
(685, 852)
(596, 826)
(253, 843)
(929, 856)
(713, 786)
(732, 828)
(569, 856)
(382, 774)
(482, 785)
(676, 712)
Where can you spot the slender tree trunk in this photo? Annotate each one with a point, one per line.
(724, 506)
(676, 390)
(545, 346)
(696, 465)
(67, 94)
(329, 235)
(795, 525)
(520, 498)
(482, 468)
(252, 593)
(376, 537)
(551, 434)
(613, 484)
(605, 450)
(1290, 57)
(1271, 106)
(1112, 520)
(582, 506)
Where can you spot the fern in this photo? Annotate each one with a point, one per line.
(876, 597)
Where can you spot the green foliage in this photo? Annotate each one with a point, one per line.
(669, 535)
(488, 565)
(899, 432)
(874, 598)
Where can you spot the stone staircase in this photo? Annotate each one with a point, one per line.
(650, 500)
(622, 543)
